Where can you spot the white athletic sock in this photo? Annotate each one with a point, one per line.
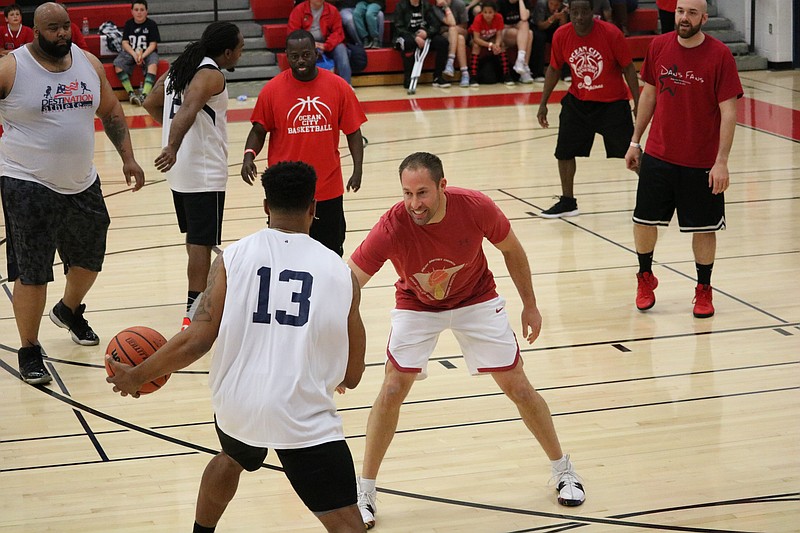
(366, 485)
(521, 55)
(561, 464)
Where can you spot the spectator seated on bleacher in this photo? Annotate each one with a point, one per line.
(368, 19)
(452, 15)
(15, 34)
(488, 51)
(517, 34)
(414, 23)
(140, 39)
(323, 21)
(548, 16)
(602, 10)
(620, 10)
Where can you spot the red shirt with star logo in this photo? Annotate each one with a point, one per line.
(441, 266)
(690, 84)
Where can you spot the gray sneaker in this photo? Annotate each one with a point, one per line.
(134, 99)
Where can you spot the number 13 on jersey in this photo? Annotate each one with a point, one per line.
(262, 315)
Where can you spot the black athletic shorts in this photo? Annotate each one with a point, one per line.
(200, 216)
(579, 121)
(665, 187)
(329, 225)
(324, 476)
(40, 221)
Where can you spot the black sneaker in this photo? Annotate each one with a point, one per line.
(441, 83)
(565, 207)
(79, 328)
(31, 366)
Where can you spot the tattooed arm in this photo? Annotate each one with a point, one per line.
(113, 118)
(184, 348)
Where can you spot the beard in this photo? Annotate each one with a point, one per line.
(688, 33)
(54, 49)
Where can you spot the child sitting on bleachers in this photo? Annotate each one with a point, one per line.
(139, 43)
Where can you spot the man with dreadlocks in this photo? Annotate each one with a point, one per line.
(191, 101)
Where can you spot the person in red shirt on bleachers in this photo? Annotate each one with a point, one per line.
(14, 34)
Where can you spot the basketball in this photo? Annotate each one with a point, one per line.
(133, 345)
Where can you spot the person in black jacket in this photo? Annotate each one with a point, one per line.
(414, 22)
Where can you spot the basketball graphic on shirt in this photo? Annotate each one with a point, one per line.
(435, 279)
(587, 65)
(309, 115)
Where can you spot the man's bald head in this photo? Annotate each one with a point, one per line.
(46, 12)
(699, 5)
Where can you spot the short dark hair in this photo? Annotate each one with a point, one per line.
(489, 3)
(9, 9)
(299, 35)
(289, 185)
(143, 2)
(425, 160)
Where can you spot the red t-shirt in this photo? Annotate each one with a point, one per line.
(596, 61)
(487, 31)
(304, 118)
(441, 266)
(11, 40)
(690, 84)
(667, 5)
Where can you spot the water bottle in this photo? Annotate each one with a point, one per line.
(242, 98)
(85, 27)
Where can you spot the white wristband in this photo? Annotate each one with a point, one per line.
(636, 145)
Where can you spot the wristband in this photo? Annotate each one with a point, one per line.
(636, 145)
(250, 151)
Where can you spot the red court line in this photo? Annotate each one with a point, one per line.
(762, 116)
(769, 118)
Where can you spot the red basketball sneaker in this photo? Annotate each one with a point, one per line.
(703, 308)
(645, 297)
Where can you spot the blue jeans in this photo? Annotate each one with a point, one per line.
(365, 17)
(349, 25)
(342, 61)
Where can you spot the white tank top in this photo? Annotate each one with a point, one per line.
(48, 118)
(282, 346)
(202, 160)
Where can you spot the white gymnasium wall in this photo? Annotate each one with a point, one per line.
(776, 45)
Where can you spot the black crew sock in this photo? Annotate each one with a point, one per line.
(704, 273)
(201, 529)
(645, 262)
(191, 298)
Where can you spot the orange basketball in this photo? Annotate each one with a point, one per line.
(133, 345)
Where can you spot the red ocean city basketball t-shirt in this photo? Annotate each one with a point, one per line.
(690, 84)
(303, 120)
(596, 61)
(441, 266)
(485, 30)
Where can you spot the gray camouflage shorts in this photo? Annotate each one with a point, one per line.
(40, 221)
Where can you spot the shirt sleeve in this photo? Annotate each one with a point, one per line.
(374, 251)
(729, 85)
(621, 50)
(261, 113)
(155, 36)
(556, 49)
(495, 224)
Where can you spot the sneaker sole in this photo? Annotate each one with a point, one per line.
(703, 315)
(646, 308)
(573, 213)
(75, 339)
(570, 503)
(39, 381)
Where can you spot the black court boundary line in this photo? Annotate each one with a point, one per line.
(573, 518)
(452, 398)
(666, 266)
